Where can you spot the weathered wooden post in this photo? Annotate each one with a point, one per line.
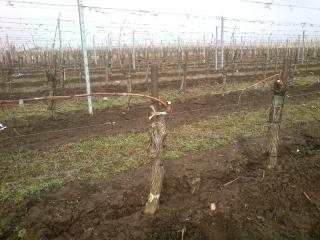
(204, 50)
(154, 80)
(129, 82)
(183, 67)
(307, 60)
(52, 84)
(80, 67)
(64, 77)
(133, 52)
(265, 66)
(224, 80)
(276, 58)
(61, 57)
(3, 78)
(279, 90)
(216, 50)
(157, 132)
(180, 59)
(109, 64)
(9, 72)
(183, 85)
(147, 74)
(129, 88)
(20, 64)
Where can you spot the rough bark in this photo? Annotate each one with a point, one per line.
(152, 204)
(279, 91)
(157, 134)
(275, 116)
(275, 121)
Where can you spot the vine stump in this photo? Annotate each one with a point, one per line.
(157, 134)
(279, 90)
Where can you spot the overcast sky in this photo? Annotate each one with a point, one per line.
(38, 22)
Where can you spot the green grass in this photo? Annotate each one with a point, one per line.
(171, 154)
(27, 172)
(37, 110)
(37, 188)
(305, 81)
(21, 232)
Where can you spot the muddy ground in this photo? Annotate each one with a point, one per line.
(251, 203)
(38, 133)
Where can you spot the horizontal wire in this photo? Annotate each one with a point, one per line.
(291, 6)
(156, 13)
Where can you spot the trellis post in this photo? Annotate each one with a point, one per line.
(222, 42)
(85, 54)
(216, 49)
(303, 46)
(133, 52)
(94, 51)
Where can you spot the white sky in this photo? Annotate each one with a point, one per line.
(150, 28)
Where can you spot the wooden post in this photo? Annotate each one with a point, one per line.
(224, 80)
(129, 82)
(216, 49)
(52, 84)
(180, 58)
(279, 90)
(109, 64)
(9, 72)
(80, 72)
(241, 51)
(276, 59)
(63, 75)
(265, 65)
(154, 81)
(157, 132)
(308, 56)
(162, 52)
(147, 74)
(133, 52)
(3, 74)
(183, 85)
(129, 86)
(204, 49)
(222, 42)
